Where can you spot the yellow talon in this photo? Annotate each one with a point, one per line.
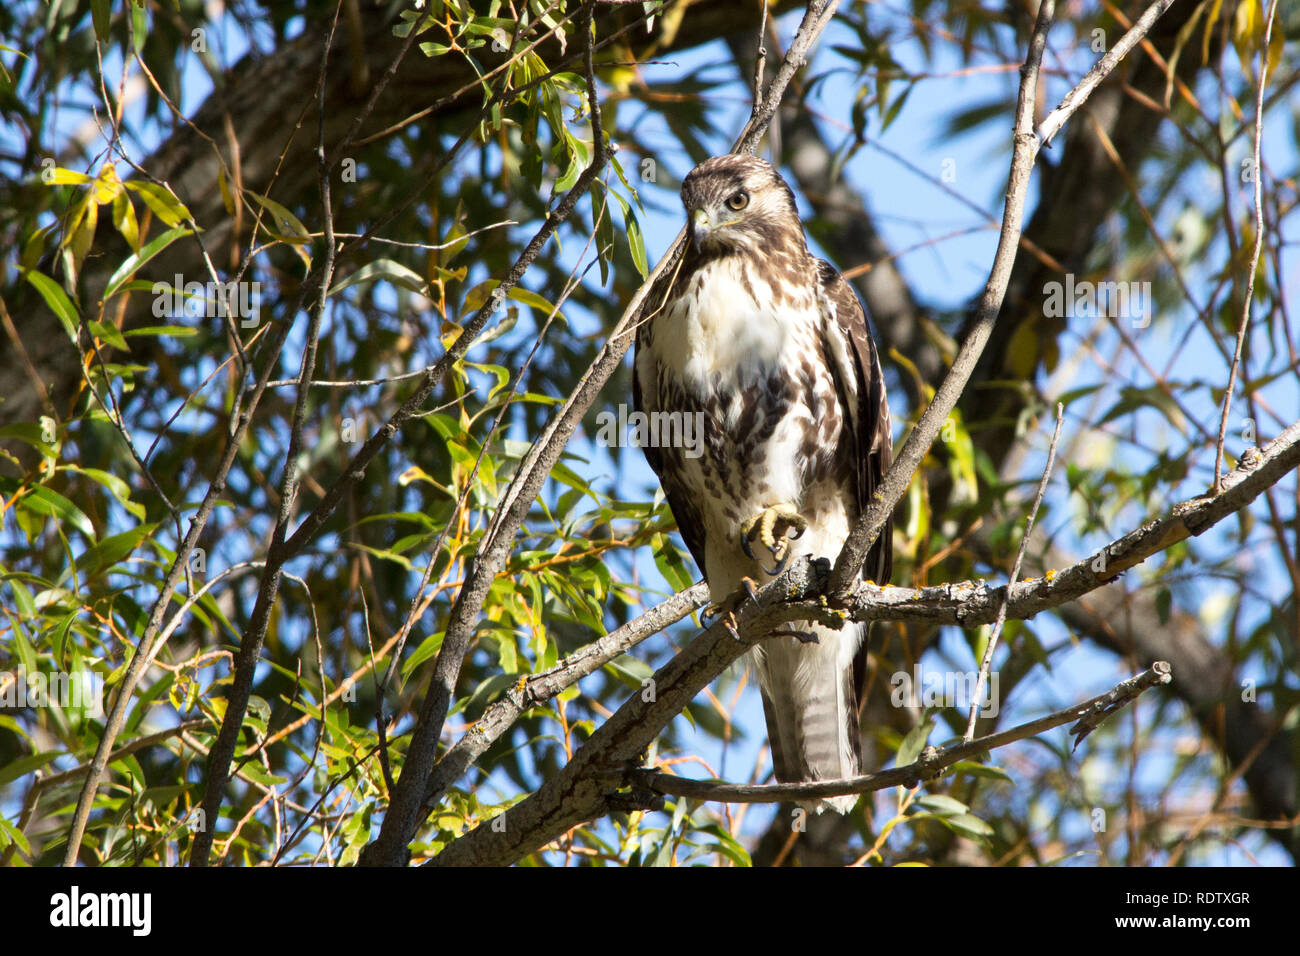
(774, 527)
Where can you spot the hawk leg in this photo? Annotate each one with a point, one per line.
(773, 528)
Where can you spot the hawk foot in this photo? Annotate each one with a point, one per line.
(774, 528)
(732, 601)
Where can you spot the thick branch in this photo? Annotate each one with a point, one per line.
(969, 604)
(539, 688)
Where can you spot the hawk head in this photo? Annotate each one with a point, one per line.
(738, 203)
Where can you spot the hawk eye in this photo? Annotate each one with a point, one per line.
(739, 201)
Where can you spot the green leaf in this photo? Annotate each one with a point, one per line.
(981, 770)
(914, 743)
(670, 563)
(170, 331)
(25, 765)
(32, 434)
(101, 14)
(387, 269)
(50, 504)
(107, 332)
(969, 826)
(942, 804)
(58, 302)
(112, 549)
(1164, 599)
(286, 222)
(135, 261)
(118, 488)
(427, 649)
(635, 241)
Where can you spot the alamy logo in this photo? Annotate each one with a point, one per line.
(209, 299)
(76, 908)
(1119, 300)
(929, 688)
(75, 690)
(652, 430)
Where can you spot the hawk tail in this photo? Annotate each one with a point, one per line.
(810, 702)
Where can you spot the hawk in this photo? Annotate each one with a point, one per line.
(768, 347)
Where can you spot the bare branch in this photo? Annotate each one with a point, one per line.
(538, 688)
(987, 663)
(1088, 715)
(848, 567)
(1258, 174)
(1050, 126)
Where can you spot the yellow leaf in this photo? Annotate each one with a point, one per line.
(84, 236)
(1209, 30)
(1248, 36)
(107, 186)
(65, 177)
(124, 220)
(226, 199)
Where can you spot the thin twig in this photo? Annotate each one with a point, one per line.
(760, 61)
(848, 567)
(1244, 323)
(250, 646)
(816, 18)
(1051, 125)
(987, 664)
(930, 764)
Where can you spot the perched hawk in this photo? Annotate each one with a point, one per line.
(770, 345)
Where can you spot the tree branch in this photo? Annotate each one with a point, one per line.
(1027, 144)
(968, 604)
(538, 688)
(1088, 715)
(848, 567)
(987, 663)
(1052, 124)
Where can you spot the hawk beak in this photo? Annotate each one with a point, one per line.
(700, 225)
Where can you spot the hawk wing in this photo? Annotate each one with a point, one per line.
(645, 398)
(855, 366)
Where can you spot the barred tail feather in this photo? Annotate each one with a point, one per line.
(811, 707)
